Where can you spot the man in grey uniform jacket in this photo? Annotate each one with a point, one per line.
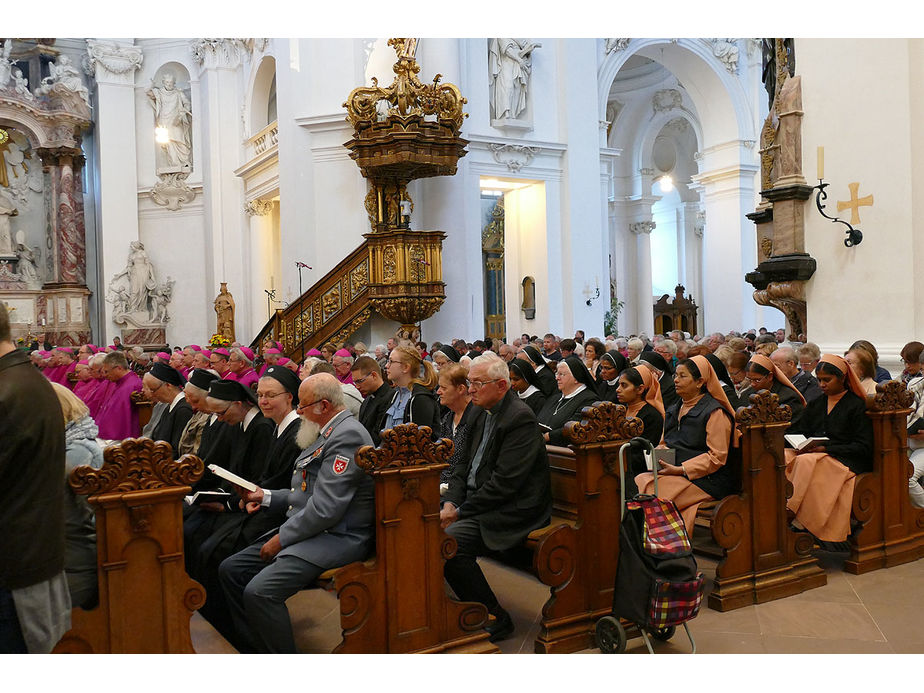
(326, 521)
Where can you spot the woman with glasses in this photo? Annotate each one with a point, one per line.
(576, 390)
(414, 400)
(455, 398)
(524, 382)
(612, 364)
(762, 374)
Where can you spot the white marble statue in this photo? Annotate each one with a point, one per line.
(141, 279)
(160, 298)
(172, 112)
(5, 63)
(27, 268)
(510, 62)
(21, 85)
(7, 210)
(64, 77)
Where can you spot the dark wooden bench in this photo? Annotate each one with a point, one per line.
(396, 602)
(145, 596)
(890, 530)
(761, 559)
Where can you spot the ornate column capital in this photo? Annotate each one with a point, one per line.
(641, 227)
(112, 62)
(258, 208)
(220, 53)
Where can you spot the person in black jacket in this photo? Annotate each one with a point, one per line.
(500, 492)
(166, 386)
(639, 392)
(576, 390)
(656, 362)
(377, 394)
(460, 412)
(414, 400)
(612, 364)
(524, 382)
(543, 373)
(823, 475)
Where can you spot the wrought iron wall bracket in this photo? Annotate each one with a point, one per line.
(854, 236)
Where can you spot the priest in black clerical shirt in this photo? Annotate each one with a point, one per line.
(166, 385)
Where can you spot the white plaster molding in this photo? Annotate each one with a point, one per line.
(726, 50)
(614, 45)
(115, 63)
(646, 171)
(666, 100)
(641, 227)
(172, 192)
(514, 156)
(699, 226)
(325, 122)
(219, 53)
(258, 208)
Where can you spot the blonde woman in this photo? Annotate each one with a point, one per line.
(80, 434)
(414, 400)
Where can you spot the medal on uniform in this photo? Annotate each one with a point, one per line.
(304, 480)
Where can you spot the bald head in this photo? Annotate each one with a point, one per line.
(786, 360)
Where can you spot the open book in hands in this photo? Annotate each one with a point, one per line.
(232, 477)
(207, 497)
(800, 442)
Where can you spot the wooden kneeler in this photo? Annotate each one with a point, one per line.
(578, 561)
(396, 602)
(146, 597)
(892, 529)
(763, 559)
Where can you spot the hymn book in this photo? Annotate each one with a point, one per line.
(800, 442)
(232, 477)
(207, 497)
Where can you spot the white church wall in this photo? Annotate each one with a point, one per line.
(865, 292)
(527, 254)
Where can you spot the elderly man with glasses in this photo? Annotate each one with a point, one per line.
(499, 492)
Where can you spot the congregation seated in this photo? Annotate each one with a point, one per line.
(721, 372)
(321, 519)
(911, 361)
(81, 449)
(577, 390)
(460, 412)
(823, 475)
(501, 490)
(196, 390)
(544, 374)
(593, 352)
(879, 374)
(240, 367)
(352, 397)
(525, 383)
(862, 364)
(611, 366)
(414, 400)
(640, 393)
(787, 361)
(764, 374)
(915, 424)
(444, 356)
(376, 392)
(166, 386)
(117, 418)
(219, 361)
(699, 428)
(656, 363)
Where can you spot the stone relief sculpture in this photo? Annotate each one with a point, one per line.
(172, 113)
(7, 210)
(726, 50)
(27, 267)
(510, 64)
(64, 82)
(5, 63)
(136, 297)
(224, 311)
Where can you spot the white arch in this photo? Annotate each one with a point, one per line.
(258, 91)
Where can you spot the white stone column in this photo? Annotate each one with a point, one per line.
(264, 265)
(729, 248)
(113, 64)
(691, 275)
(219, 129)
(644, 307)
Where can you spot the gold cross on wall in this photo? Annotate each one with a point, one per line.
(854, 203)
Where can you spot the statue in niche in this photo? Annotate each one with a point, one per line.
(27, 267)
(21, 85)
(510, 62)
(7, 210)
(224, 311)
(141, 279)
(5, 63)
(63, 78)
(160, 298)
(172, 113)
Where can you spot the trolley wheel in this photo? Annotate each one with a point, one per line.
(611, 636)
(663, 634)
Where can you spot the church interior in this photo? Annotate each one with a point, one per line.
(302, 192)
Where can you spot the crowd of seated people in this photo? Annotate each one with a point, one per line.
(293, 428)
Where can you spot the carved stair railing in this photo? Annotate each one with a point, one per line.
(329, 311)
(146, 597)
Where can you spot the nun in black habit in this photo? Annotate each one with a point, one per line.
(524, 382)
(544, 373)
(577, 390)
(612, 363)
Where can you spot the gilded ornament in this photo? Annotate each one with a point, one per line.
(390, 264)
(359, 279)
(331, 302)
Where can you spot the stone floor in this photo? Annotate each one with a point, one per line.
(874, 613)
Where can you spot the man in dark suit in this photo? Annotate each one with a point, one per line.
(367, 377)
(166, 385)
(787, 361)
(499, 492)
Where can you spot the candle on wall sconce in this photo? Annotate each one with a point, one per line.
(821, 163)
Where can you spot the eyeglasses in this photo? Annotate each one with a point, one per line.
(478, 384)
(360, 381)
(756, 378)
(270, 395)
(302, 407)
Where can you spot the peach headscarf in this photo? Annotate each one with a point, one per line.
(853, 381)
(652, 389)
(778, 375)
(715, 389)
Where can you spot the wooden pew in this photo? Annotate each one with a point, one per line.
(762, 558)
(396, 602)
(892, 530)
(145, 596)
(144, 406)
(577, 555)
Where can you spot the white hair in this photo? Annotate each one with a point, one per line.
(636, 343)
(241, 356)
(496, 366)
(97, 359)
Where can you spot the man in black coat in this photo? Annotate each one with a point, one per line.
(166, 386)
(31, 506)
(367, 377)
(499, 492)
(787, 361)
